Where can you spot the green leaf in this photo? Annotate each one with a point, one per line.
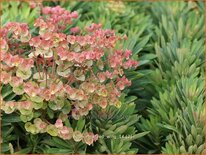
(11, 118)
(148, 56)
(6, 90)
(24, 151)
(136, 136)
(52, 130)
(50, 113)
(60, 142)
(58, 151)
(26, 118)
(170, 128)
(4, 147)
(67, 107)
(141, 44)
(80, 124)
(130, 99)
(24, 74)
(121, 129)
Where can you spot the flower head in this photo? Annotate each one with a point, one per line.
(59, 123)
(66, 133)
(5, 77)
(89, 138)
(77, 136)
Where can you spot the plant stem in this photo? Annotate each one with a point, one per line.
(45, 69)
(46, 76)
(53, 66)
(37, 66)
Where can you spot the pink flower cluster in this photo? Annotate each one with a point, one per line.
(69, 74)
(20, 31)
(58, 129)
(22, 106)
(55, 19)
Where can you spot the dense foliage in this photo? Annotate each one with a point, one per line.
(70, 81)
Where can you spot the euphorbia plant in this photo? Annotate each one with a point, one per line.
(67, 74)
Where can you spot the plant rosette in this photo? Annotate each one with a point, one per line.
(57, 74)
